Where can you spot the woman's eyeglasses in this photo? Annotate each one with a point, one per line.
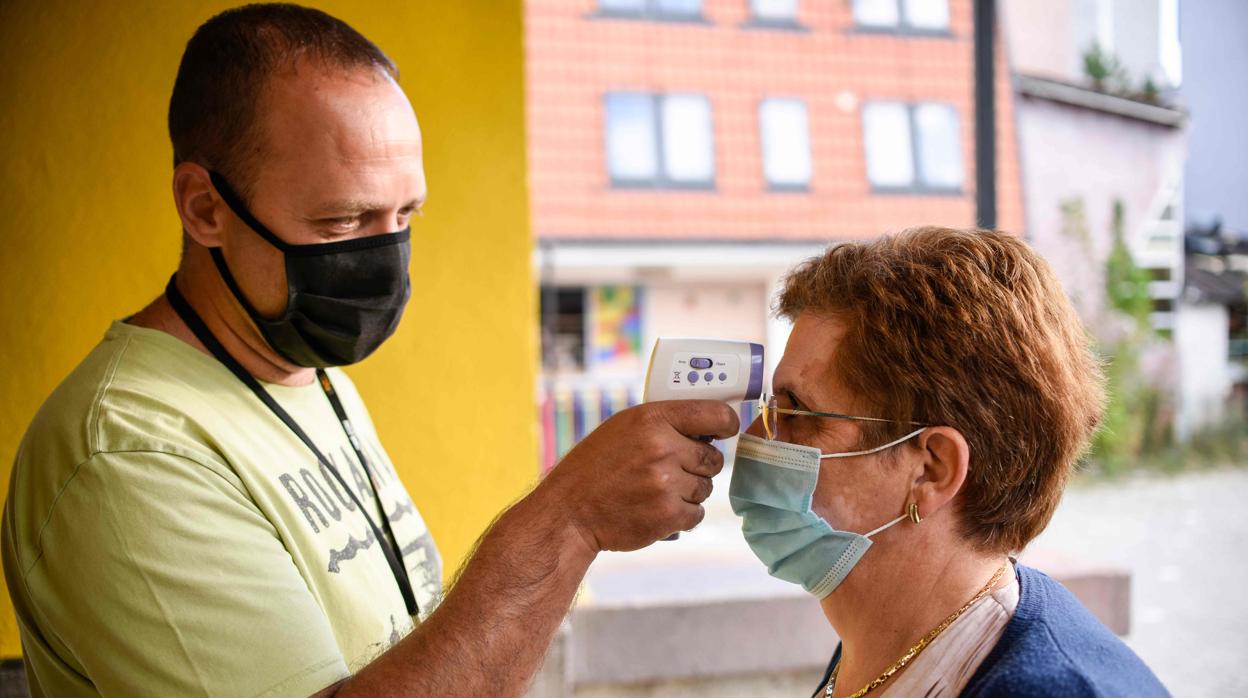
(769, 411)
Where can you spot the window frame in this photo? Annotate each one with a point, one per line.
(652, 11)
(903, 27)
(917, 186)
(661, 179)
(793, 23)
(548, 359)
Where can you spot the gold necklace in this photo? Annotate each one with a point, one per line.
(918, 647)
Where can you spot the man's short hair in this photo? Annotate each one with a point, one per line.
(226, 67)
(969, 329)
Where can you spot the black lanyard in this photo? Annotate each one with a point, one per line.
(389, 543)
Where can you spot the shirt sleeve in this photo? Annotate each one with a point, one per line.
(160, 576)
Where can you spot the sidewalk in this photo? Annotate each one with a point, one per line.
(1184, 539)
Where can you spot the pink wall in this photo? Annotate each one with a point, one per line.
(1071, 152)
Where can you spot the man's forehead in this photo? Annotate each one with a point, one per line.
(350, 114)
(332, 136)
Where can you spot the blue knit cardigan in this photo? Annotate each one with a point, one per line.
(1053, 647)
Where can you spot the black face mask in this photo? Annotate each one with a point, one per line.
(343, 299)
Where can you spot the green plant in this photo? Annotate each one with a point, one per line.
(1102, 67)
(1107, 74)
(1125, 283)
(1221, 444)
(1137, 418)
(1074, 223)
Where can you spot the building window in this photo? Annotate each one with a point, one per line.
(785, 135)
(653, 9)
(902, 15)
(912, 147)
(632, 143)
(595, 328)
(662, 141)
(939, 149)
(782, 13)
(563, 329)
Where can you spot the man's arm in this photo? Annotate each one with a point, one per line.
(638, 478)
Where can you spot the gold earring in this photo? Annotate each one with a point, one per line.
(914, 512)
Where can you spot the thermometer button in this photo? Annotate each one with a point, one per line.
(700, 362)
(693, 376)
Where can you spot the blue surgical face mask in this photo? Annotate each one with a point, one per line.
(773, 483)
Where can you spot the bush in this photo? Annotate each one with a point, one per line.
(1138, 419)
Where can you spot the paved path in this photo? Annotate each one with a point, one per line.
(1185, 540)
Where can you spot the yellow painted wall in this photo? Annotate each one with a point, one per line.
(88, 231)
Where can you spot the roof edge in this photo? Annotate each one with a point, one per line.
(1080, 96)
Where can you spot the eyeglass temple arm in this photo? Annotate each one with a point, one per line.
(809, 413)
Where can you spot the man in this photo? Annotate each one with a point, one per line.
(203, 506)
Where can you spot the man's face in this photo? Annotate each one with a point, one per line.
(853, 494)
(341, 158)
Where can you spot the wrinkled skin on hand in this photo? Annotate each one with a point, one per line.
(643, 474)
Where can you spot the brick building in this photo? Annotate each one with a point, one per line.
(684, 153)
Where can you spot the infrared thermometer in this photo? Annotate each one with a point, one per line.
(704, 369)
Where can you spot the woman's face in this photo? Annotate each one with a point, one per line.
(855, 494)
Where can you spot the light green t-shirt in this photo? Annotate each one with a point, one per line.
(165, 534)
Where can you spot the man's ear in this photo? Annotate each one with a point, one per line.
(946, 459)
(199, 206)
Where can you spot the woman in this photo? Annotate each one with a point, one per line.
(934, 396)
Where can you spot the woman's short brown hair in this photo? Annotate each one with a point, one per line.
(969, 329)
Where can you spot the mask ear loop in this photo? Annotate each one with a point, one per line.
(877, 449)
(885, 526)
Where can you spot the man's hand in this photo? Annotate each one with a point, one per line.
(643, 474)
(640, 476)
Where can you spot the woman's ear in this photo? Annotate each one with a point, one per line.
(946, 458)
(199, 206)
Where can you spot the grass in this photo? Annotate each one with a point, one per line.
(1218, 446)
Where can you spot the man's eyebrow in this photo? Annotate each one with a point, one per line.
(346, 207)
